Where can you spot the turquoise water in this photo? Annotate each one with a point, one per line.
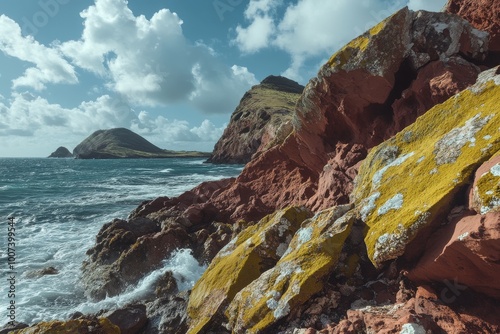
(59, 206)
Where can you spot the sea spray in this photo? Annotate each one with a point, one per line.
(186, 271)
(60, 206)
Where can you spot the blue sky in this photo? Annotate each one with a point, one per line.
(170, 70)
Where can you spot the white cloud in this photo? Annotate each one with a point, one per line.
(25, 118)
(430, 5)
(309, 29)
(50, 66)
(150, 62)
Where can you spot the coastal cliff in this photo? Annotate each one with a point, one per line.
(262, 119)
(378, 213)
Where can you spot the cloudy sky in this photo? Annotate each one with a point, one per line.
(170, 70)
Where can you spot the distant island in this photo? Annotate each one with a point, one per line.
(61, 152)
(121, 143)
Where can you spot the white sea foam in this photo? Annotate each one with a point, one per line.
(183, 265)
(59, 208)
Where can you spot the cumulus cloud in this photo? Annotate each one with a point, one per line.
(430, 5)
(151, 63)
(50, 66)
(307, 29)
(28, 116)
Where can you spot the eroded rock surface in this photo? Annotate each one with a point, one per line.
(409, 182)
(482, 14)
(261, 120)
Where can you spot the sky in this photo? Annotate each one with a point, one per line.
(172, 71)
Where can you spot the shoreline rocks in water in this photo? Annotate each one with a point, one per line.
(379, 211)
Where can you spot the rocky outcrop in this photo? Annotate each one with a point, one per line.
(84, 325)
(123, 143)
(255, 250)
(409, 182)
(482, 14)
(61, 152)
(360, 98)
(261, 120)
(299, 274)
(384, 146)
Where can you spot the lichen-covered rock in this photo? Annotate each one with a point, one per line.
(298, 275)
(485, 191)
(407, 183)
(351, 104)
(466, 252)
(252, 252)
(77, 326)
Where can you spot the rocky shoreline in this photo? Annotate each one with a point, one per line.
(379, 212)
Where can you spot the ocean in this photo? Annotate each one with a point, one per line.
(59, 205)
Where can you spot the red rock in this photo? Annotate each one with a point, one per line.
(350, 108)
(482, 14)
(435, 83)
(463, 254)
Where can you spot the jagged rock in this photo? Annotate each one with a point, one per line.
(61, 152)
(10, 327)
(298, 275)
(466, 252)
(434, 84)
(130, 320)
(482, 14)
(262, 118)
(409, 182)
(252, 252)
(352, 104)
(484, 195)
(41, 272)
(168, 314)
(84, 325)
(422, 311)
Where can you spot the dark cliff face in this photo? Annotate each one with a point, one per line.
(262, 119)
(61, 152)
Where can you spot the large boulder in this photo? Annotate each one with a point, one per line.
(255, 250)
(261, 120)
(482, 14)
(467, 250)
(407, 184)
(298, 275)
(365, 93)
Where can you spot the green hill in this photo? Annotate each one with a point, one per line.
(123, 143)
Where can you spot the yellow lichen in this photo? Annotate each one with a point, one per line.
(239, 263)
(298, 275)
(488, 191)
(435, 178)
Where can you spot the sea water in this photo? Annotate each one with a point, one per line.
(59, 205)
